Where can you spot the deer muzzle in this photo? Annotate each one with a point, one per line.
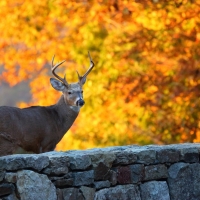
(80, 102)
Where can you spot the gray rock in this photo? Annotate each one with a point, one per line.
(11, 177)
(101, 172)
(101, 184)
(55, 178)
(155, 190)
(79, 161)
(177, 168)
(88, 193)
(125, 158)
(137, 173)
(71, 194)
(112, 149)
(10, 197)
(120, 192)
(166, 155)
(189, 155)
(183, 146)
(17, 162)
(144, 155)
(59, 194)
(83, 178)
(112, 177)
(53, 170)
(32, 186)
(184, 181)
(155, 172)
(187, 152)
(63, 182)
(2, 175)
(100, 156)
(58, 164)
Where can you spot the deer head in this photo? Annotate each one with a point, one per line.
(73, 93)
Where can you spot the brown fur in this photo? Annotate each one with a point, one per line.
(36, 129)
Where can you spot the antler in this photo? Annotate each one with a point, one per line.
(83, 78)
(53, 68)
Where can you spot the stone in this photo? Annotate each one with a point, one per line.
(112, 148)
(184, 181)
(123, 175)
(71, 194)
(88, 193)
(183, 146)
(83, 178)
(189, 155)
(59, 194)
(65, 176)
(187, 152)
(63, 182)
(101, 172)
(6, 189)
(2, 175)
(130, 174)
(11, 177)
(102, 184)
(144, 155)
(32, 185)
(137, 173)
(112, 177)
(10, 197)
(166, 155)
(119, 192)
(155, 172)
(125, 158)
(56, 170)
(177, 168)
(58, 165)
(79, 162)
(100, 156)
(155, 190)
(17, 162)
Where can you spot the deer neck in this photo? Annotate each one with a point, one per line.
(65, 116)
(62, 106)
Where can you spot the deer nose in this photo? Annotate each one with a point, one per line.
(80, 102)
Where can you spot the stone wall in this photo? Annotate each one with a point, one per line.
(129, 172)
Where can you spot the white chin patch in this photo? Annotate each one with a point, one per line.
(75, 108)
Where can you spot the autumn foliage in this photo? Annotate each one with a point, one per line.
(145, 87)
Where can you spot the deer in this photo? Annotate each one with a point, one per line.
(38, 129)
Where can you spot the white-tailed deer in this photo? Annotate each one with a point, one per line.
(38, 129)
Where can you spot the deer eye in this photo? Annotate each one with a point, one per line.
(69, 92)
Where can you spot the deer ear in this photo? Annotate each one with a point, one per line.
(57, 85)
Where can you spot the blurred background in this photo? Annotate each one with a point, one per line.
(145, 87)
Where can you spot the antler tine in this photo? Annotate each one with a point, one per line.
(53, 68)
(79, 76)
(89, 70)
